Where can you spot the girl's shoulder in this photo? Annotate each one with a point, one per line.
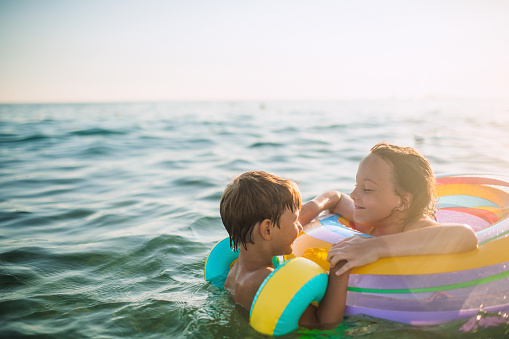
(423, 222)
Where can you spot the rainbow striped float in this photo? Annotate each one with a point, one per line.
(431, 289)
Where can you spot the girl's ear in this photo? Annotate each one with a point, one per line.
(266, 229)
(406, 201)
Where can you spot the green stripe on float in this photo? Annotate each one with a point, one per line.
(433, 289)
(501, 235)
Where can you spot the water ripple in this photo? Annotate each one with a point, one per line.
(108, 211)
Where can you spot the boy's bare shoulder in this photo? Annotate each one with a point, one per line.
(246, 284)
(251, 282)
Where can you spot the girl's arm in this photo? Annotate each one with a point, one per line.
(329, 313)
(334, 201)
(345, 207)
(438, 239)
(325, 201)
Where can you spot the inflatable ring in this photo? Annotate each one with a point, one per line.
(219, 261)
(282, 297)
(431, 289)
(285, 294)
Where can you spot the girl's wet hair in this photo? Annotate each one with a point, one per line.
(253, 197)
(411, 174)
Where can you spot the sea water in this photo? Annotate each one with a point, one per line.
(108, 211)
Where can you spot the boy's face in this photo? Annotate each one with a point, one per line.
(288, 231)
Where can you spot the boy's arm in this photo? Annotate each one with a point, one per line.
(329, 312)
(333, 201)
(439, 239)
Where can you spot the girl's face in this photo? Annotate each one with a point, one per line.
(288, 231)
(374, 195)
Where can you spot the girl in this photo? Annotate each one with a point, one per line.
(394, 200)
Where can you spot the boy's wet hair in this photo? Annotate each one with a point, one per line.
(253, 197)
(412, 174)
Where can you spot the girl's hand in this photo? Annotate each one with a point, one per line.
(356, 250)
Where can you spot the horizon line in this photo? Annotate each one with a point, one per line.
(260, 100)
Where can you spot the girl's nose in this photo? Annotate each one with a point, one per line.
(300, 227)
(353, 195)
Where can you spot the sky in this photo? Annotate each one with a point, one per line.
(162, 50)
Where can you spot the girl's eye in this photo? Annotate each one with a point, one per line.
(364, 189)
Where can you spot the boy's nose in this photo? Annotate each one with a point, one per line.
(300, 227)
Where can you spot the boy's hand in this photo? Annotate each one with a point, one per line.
(356, 250)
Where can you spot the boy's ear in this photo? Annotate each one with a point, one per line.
(266, 229)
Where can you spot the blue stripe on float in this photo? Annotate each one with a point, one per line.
(332, 224)
(464, 201)
(313, 290)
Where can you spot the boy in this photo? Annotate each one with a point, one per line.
(263, 216)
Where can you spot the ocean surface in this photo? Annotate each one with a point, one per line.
(108, 211)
